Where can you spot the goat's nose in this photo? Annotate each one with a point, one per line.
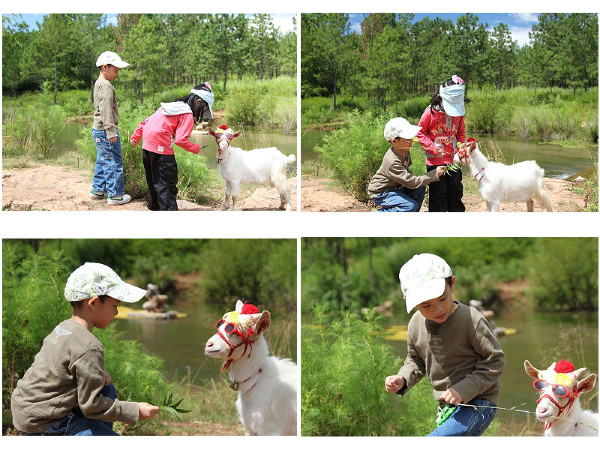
(209, 344)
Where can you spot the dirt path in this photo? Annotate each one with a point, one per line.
(57, 188)
(321, 194)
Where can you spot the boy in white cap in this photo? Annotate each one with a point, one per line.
(108, 179)
(451, 343)
(442, 129)
(66, 391)
(394, 188)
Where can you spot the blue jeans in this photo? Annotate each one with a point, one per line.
(400, 199)
(108, 172)
(468, 421)
(76, 424)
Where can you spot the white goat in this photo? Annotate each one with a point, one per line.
(520, 182)
(266, 385)
(558, 405)
(263, 165)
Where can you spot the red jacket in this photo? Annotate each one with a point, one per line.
(160, 132)
(434, 129)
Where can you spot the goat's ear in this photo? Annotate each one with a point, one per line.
(238, 306)
(531, 371)
(587, 384)
(211, 132)
(236, 134)
(263, 322)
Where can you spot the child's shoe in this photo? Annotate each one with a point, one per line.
(97, 195)
(120, 200)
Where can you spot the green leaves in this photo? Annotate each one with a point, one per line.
(173, 408)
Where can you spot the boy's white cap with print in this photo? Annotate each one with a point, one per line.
(399, 127)
(423, 278)
(111, 58)
(95, 279)
(453, 99)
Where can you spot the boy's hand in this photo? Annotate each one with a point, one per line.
(440, 170)
(107, 379)
(452, 397)
(147, 411)
(113, 139)
(394, 383)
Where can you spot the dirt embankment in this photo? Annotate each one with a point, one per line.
(57, 188)
(321, 194)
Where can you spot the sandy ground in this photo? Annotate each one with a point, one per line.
(321, 194)
(58, 188)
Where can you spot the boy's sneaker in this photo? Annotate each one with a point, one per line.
(121, 200)
(97, 195)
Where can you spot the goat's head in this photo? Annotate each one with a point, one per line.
(559, 386)
(463, 153)
(223, 135)
(236, 332)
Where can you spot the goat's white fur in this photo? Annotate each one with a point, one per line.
(263, 165)
(267, 402)
(497, 182)
(573, 421)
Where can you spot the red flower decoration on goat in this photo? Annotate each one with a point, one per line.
(249, 309)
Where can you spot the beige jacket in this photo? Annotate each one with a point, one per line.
(106, 112)
(67, 372)
(395, 171)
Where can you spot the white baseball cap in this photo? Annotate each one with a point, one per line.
(111, 58)
(453, 99)
(95, 279)
(423, 278)
(399, 127)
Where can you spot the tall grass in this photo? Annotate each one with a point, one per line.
(344, 365)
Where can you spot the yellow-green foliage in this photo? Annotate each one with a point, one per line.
(344, 365)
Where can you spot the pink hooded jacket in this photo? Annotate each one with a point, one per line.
(160, 132)
(434, 129)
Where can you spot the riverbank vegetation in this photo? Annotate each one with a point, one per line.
(34, 273)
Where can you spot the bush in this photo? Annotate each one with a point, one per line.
(344, 365)
(33, 304)
(354, 153)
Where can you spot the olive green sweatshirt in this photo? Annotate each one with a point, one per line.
(461, 353)
(106, 112)
(394, 171)
(67, 372)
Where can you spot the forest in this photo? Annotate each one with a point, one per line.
(165, 50)
(394, 57)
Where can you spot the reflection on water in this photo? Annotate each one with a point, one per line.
(557, 161)
(180, 342)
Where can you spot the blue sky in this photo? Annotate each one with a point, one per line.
(281, 21)
(518, 23)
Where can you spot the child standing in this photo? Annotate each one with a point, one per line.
(451, 343)
(394, 188)
(108, 173)
(66, 391)
(442, 126)
(171, 124)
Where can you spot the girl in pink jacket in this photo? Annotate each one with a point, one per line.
(442, 126)
(171, 124)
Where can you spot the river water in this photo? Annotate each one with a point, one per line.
(557, 161)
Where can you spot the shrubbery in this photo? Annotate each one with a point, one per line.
(344, 365)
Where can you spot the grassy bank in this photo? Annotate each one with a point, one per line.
(549, 115)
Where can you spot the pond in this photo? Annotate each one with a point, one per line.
(248, 140)
(180, 342)
(557, 161)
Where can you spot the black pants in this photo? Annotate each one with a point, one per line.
(161, 176)
(446, 194)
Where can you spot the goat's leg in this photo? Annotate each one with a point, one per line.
(235, 193)
(488, 206)
(284, 195)
(529, 205)
(227, 195)
(493, 206)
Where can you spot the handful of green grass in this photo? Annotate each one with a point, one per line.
(173, 407)
(452, 167)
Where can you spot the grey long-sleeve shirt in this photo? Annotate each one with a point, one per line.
(67, 372)
(462, 353)
(106, 112)
(394, 171)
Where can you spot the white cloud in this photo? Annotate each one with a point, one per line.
(520, 34)
(524, 17)
(284, 22)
